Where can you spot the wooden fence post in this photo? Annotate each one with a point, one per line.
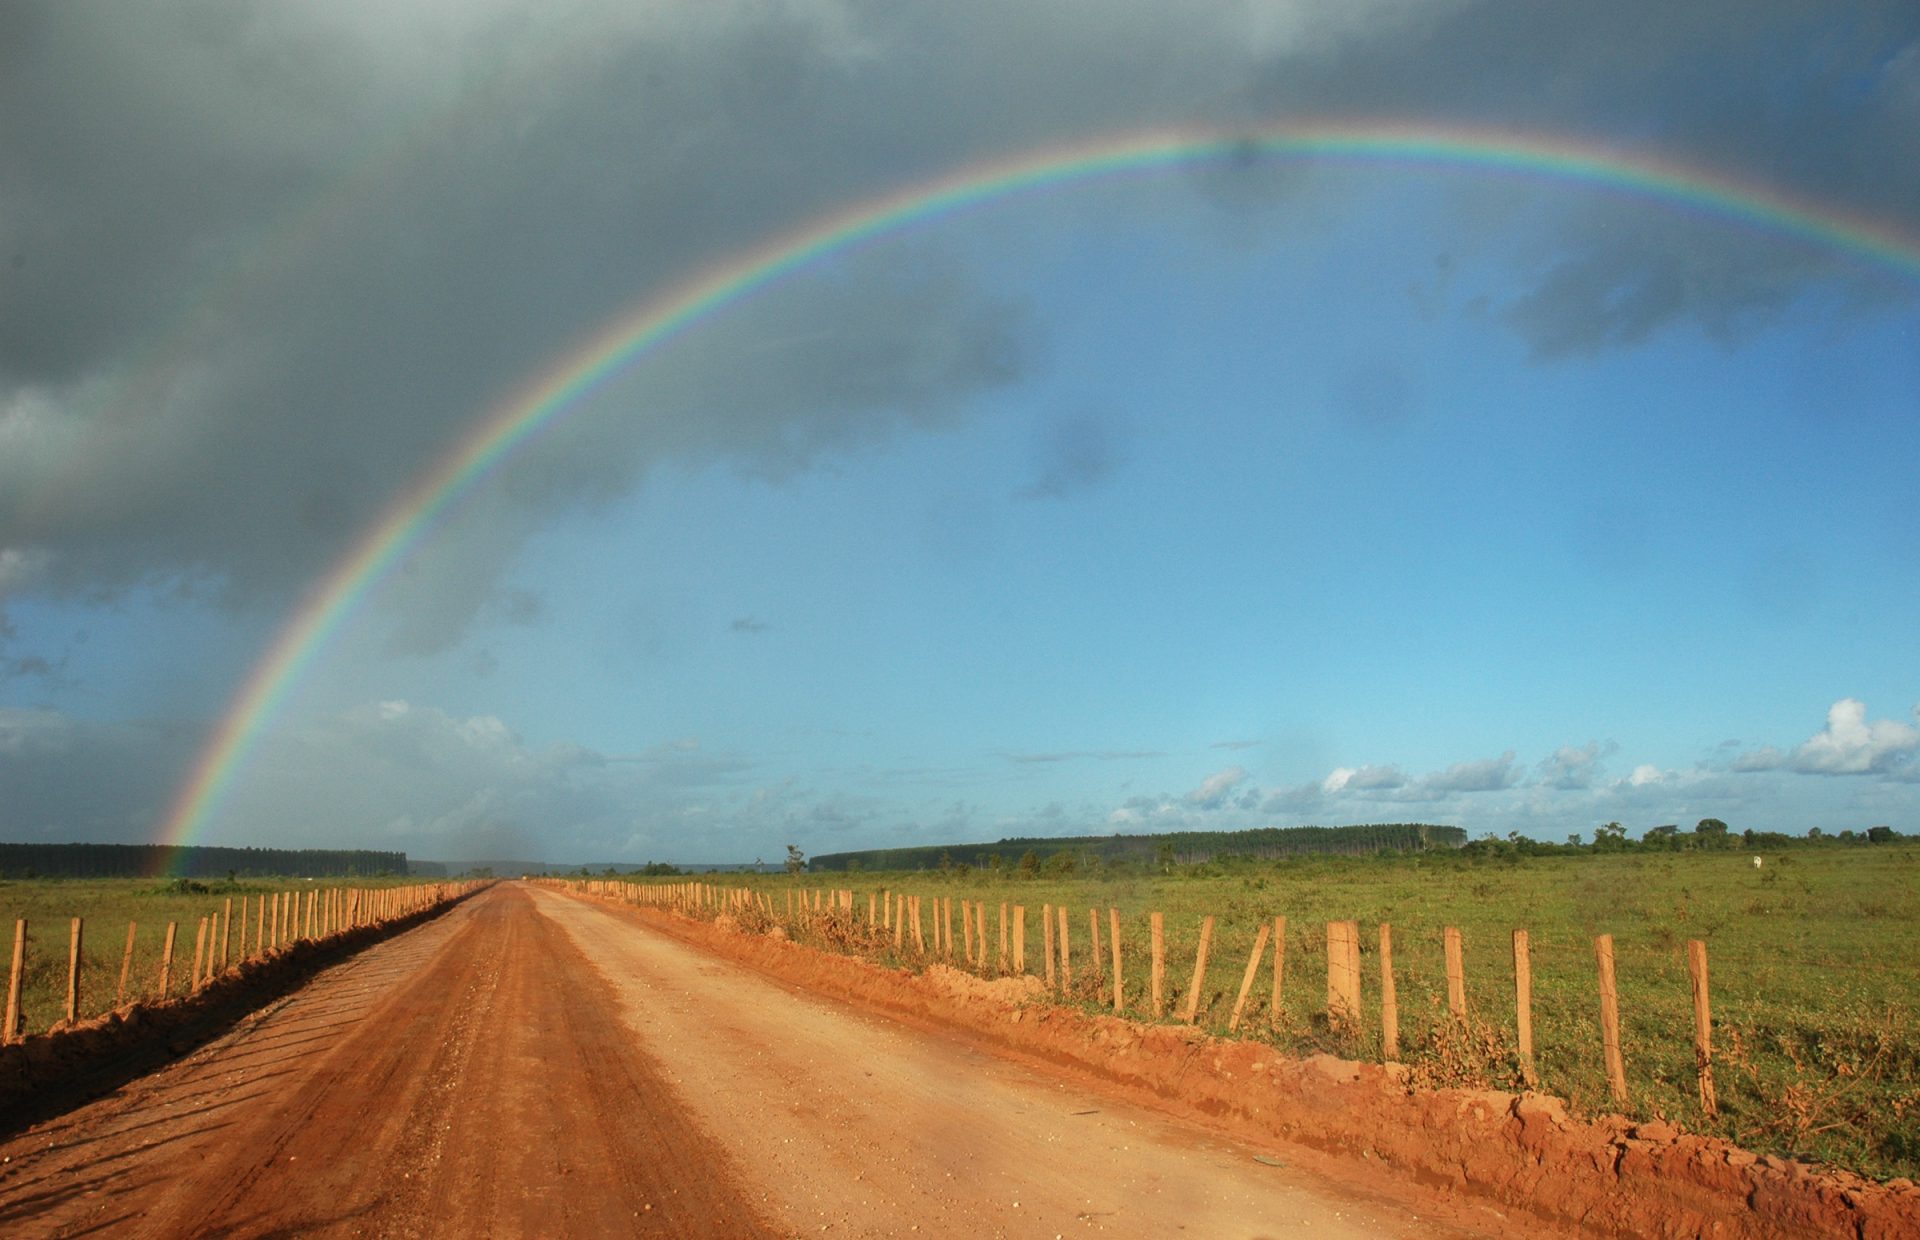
(12, 1028)
(1246, 980)
(226, 933)
(1456, 976)
(199, 949)
(1523, 1004)
(126, 967)
(1113, 937)
(166, 959)
(260, 925)
(1001, 925)
(1279, 967)
(919, 939)
(1702, 1025)
(966, 928)
(873, 908)
(1020, 939)
(1046, 936)
(1066, 954)
(1343, 972)
(1389, 999)
(1093, 946)
(73, 974)
(1157, 983)
(1199, 972)
(1610, 1019)
(980, 931)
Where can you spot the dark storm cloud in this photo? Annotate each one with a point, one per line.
(263, 265)
(66, 779)
(1775, 92)
(260, 265)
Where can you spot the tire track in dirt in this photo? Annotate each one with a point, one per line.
(472, 1077)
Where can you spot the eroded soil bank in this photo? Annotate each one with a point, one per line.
(1526, 1152)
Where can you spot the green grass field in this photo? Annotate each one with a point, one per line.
(1813, 962)
(106, 906)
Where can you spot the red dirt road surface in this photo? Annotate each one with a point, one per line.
(535, 1065)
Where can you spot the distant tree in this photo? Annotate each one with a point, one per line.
(1163, 855)
(1030, 863)
(1815, 833)
(1610, 837)
(796, 860)
(1879, 835)
(1573, 841)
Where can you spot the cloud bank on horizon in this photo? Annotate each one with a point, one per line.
(1475, 498)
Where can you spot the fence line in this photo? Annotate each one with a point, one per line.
(321, 915)
(897, 918)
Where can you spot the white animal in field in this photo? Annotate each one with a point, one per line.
(1757, 863)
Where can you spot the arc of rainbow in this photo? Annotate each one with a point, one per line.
(656, 320)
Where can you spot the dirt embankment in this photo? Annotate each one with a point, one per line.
(1526, 1151)
(47, 1073)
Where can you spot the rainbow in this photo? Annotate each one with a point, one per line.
(656, 320)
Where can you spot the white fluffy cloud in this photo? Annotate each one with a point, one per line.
(1214, 789)
(1566, 791)
(1364, 779)
(1850, 745)
(1571, 767)
(1484, 775)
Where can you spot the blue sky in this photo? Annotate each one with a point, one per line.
(1220, 497)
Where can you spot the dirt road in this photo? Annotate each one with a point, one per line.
(532, 1064)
